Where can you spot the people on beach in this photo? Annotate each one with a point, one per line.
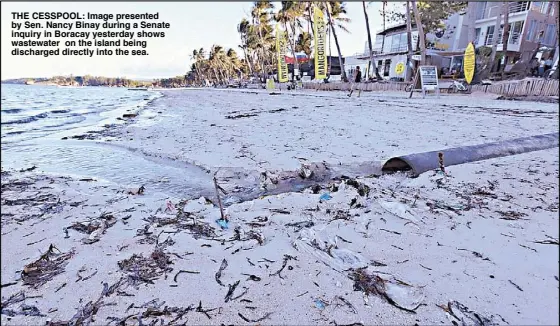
(357, 81)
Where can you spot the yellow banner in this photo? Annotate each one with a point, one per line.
(469, 63)
(320, 33)
(281, 50)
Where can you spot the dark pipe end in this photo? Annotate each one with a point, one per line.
(397, 164)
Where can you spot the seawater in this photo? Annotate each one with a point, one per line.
(35, 118)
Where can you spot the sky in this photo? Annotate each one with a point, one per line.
(193, 25)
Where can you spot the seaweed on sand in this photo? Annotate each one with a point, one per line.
(398, 293)
(146, 269)
(42, 270)
(94, 228)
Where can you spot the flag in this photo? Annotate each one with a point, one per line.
(320, 35)
(281, 50)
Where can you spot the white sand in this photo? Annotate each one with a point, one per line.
(426, 253)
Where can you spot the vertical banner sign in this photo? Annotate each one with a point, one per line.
(320, 32)
(469, 63)
(281, 49)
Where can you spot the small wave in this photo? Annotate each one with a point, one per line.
(60, 111)
(12, 110)
(27, 119)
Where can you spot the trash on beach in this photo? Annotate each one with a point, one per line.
(169, 207)
(222, 223)
(320, 304)
(325, 196)
(139, 191)
(398, 209)
(396, 292)
(362, 189)
(94, 228)
(465, 316)
(42, 270)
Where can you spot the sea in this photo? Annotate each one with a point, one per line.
(38, 122)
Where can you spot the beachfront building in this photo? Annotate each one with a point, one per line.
(532, 25)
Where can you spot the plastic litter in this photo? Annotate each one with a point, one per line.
(325, 196)
(319, 304)
(222, 223)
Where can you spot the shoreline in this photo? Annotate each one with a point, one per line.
(483, 237)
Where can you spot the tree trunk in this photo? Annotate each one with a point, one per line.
(330, 53)
(342, 71)
(492, 62)
(383, 14)
(421, 35)
(244, 47)
(310, 13)
(371, 59)
(471, 21)
(409, 43)
(505, 35)
(293, 46)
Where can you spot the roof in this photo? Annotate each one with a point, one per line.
(395, 28)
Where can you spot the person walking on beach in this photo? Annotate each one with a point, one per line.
(357, 80)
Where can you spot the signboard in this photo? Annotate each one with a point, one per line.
(416, 57)
(281, 47)
(469, 63)
(399, 69)
(429, 78)
(320, 38)
(270, 84)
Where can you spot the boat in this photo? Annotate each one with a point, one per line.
(138, 89)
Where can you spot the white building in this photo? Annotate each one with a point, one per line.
(532, 24)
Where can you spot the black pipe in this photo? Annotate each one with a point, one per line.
(419, 163)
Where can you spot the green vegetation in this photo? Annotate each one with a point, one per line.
(258, 42)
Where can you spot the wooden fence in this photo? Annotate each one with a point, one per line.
(530, 87)
(366, 87)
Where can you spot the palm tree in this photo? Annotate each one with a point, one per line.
(421, 35)
(243, 30)
(335, 11)
(261, 28)
(371, 60)
(289, 15)
(303, 43)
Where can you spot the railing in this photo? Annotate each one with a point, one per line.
(491, 12)
(400, 48)
(513, 39)
(518, 6)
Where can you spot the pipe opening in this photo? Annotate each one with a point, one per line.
(394, 165)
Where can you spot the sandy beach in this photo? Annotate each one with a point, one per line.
(478, 246)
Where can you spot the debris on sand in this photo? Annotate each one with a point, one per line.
(25, 310)
(85, 315)
(362, 189)
(46, 267)
(94, 228)
(218, 275)
(139, 191)
(398, 293)
(146, 269)
(465, 316)
(266, 316)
